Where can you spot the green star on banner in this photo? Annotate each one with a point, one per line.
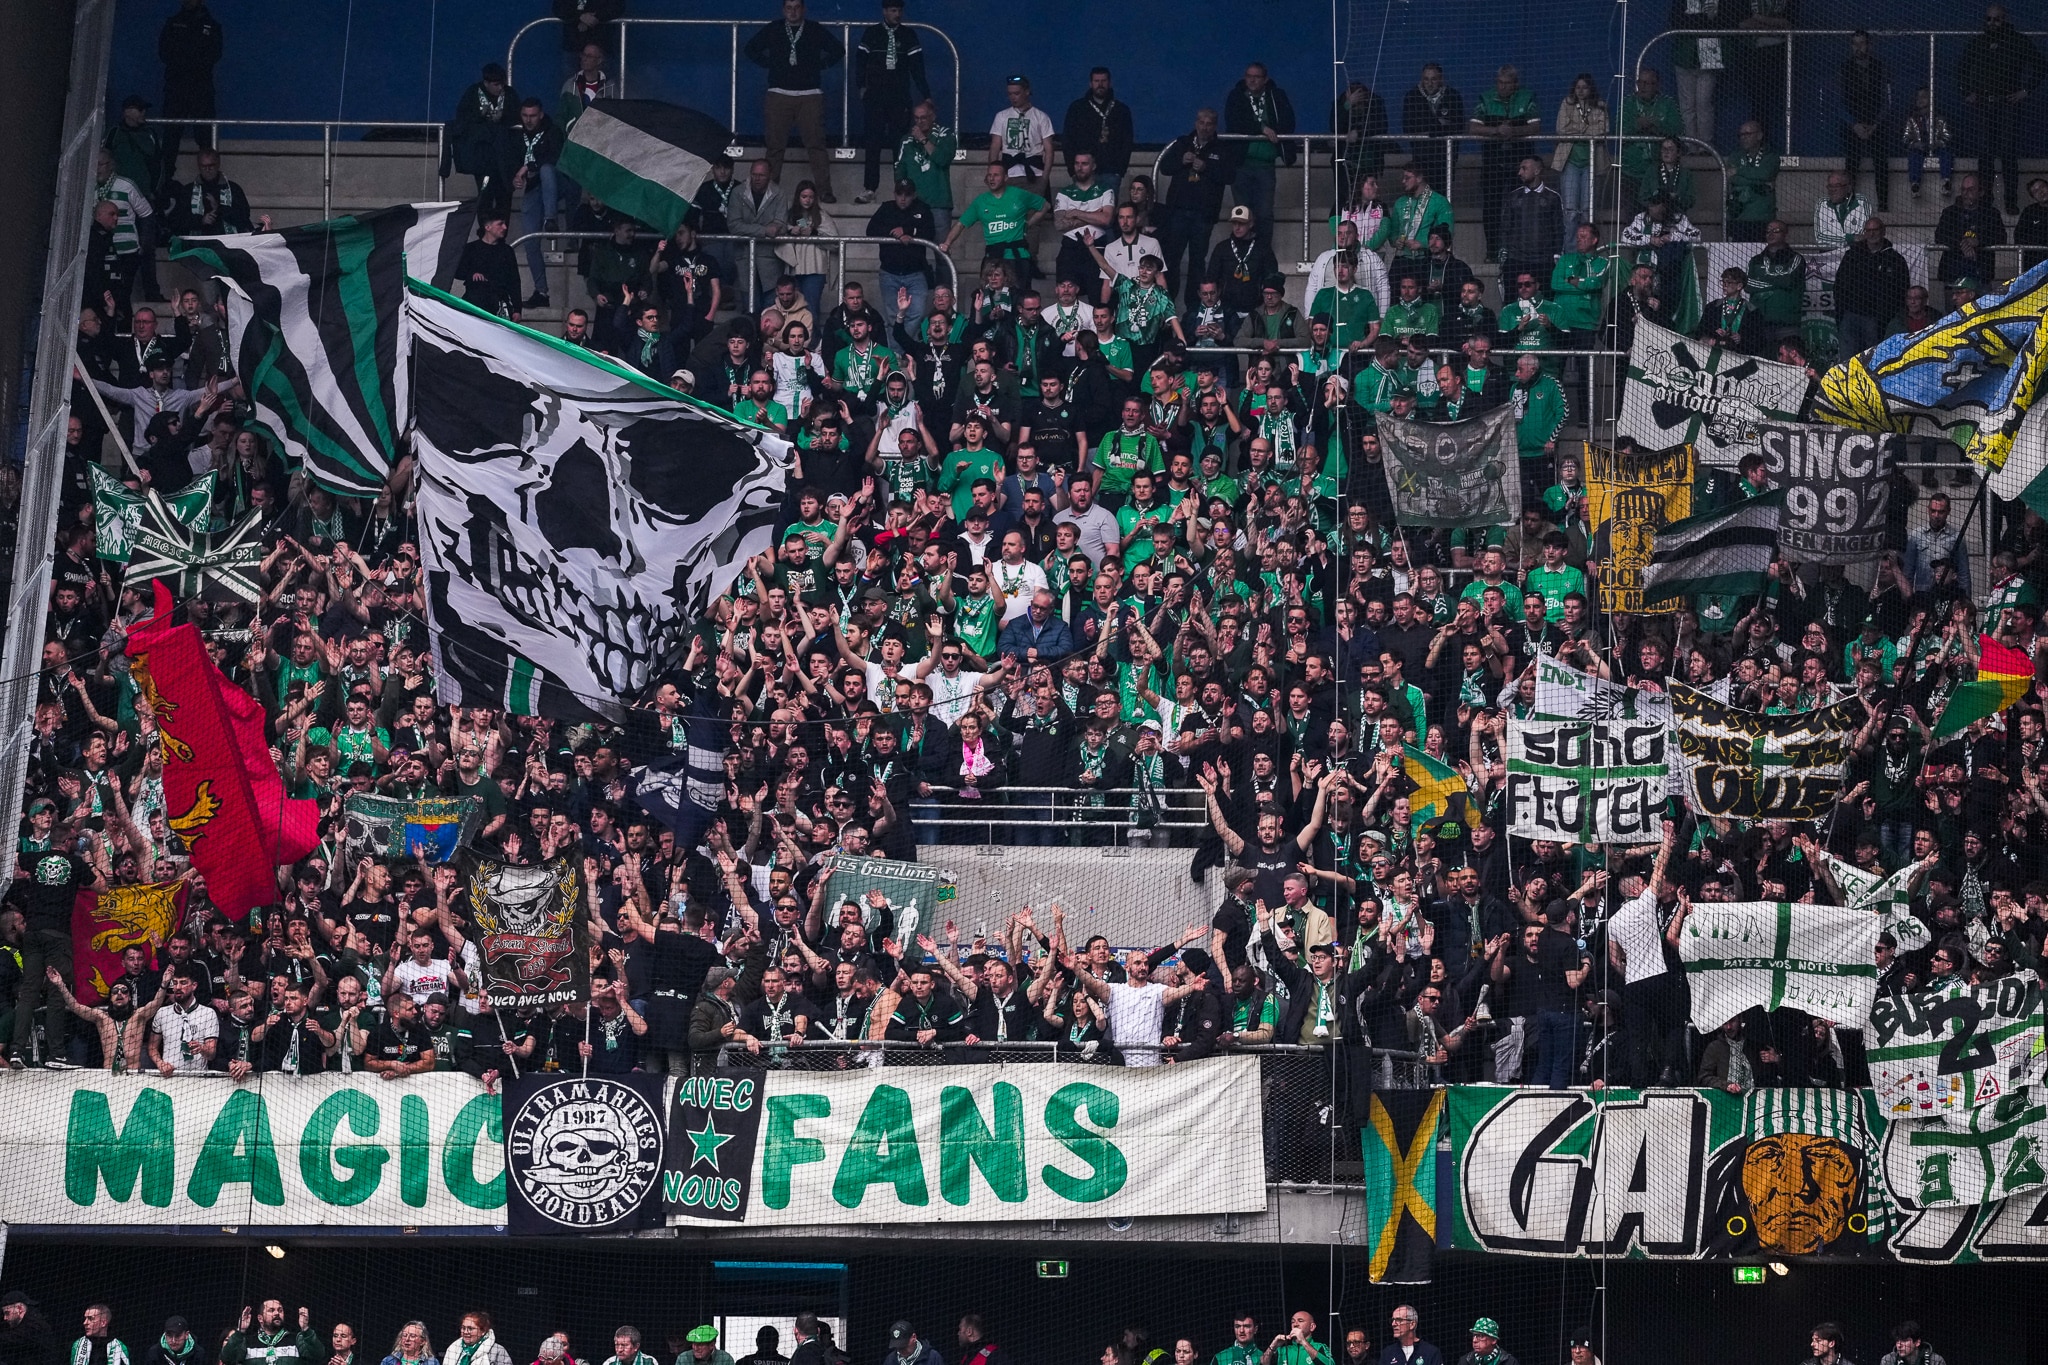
(705, 1142)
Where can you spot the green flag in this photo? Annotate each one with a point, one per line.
(117, 511)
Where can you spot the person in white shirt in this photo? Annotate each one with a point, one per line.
(953, 688)
(422, 974)
(1017, 576)
(185, 1032)
(1081, 213)
(1137, 1006)
(1021, 137)
(1369, 270)
(1131, 246)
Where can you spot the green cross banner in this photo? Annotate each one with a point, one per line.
(1816, 958)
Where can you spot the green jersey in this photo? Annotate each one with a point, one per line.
(975, 622)
(1554, 584)
(931, 171)
(1351, 312)
(862, 370)
(1003, 216)
(1122, 454)
(1141, 310)
(1539, 414)
(1420, 318)
(1777, 286)
(961, 469)
(817, 535)
(1412, 217)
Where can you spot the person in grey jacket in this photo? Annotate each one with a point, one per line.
(759, 209)
(1909, 1349)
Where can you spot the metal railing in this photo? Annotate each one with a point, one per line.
(848, 32)
(436, 135)
(1450, 143)
(1792, 37)
(754, 244)
(1052, 812)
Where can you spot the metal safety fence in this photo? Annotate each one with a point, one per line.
(396, 137)
(848, 35)
(752, 247)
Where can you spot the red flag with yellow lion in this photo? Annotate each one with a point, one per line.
(104, 924)
(222, 791)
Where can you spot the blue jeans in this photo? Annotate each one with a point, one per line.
(1575, 187)
(918, 287)
(1556, 1042)
(1895, 842)
(925, 809)
(536, 205)
(1856, 333)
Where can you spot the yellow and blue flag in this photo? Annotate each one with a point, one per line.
(1972, 378)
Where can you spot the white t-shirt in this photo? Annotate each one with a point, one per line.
(1123, 257)
(1021, 132)
(181, 1031)
(1018, 582)
(1136, 1014)
(1635, 928)
(951, 697)
(1084, 199)
(881, 687)
(420, 980)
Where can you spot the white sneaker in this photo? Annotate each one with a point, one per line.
(864, 197)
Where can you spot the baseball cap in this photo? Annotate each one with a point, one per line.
(1242, 213)
(1322, 947)
(173, 1325)
(438, 998)
(900, 1332)
(903, 184)
(874, 595)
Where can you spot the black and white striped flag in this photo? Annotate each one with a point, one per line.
(1727, 551)
(223, 568)
(315, 325)
(575, 517)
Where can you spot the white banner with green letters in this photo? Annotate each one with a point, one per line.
(90, 1148)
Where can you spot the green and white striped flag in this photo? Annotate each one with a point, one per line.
(643, 158)
(522, 686)
(1816, 958)
(316, 316)
(1890, 898)
(1726, 551)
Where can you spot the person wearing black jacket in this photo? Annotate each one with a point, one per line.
(487, 269)
(540, 147)
(178, 1345)
(1195, 1022)
(1197, 166)
(1326, 1007)
(1866, 106)
(189, 45)
(1100, 124)
(587, 21)
(26, 1336)
(795, 51)
(637, 337)
(1433, 110)
(926, 1015)
(483, 140)
(1240, 264)
(1870, 289)
(905, 267)
(1260, 110)
(889, 71)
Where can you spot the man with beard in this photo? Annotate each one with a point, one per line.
(271, 1344)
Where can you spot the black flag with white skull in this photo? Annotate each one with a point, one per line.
(583, 1154)
(575, 517)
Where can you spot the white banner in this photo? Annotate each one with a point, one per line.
(1686, 392)
(1588, 782)
(916, 1144)
(1943, 1053)
(1816, 958)
(2000, 1149)
(334, 1150)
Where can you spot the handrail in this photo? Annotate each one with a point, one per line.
(1049, 1049)
(327, 129)
(842, 243)
(1790, 34)
(1308, 140)
(732, 94)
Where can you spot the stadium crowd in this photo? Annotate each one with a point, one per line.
(1100, 552)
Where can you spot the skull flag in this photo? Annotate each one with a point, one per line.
(575, 517)
(583, 1154)
(528, 917)
(222, 791)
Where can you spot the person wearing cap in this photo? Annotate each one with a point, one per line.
(906, 1348)
(905, 267)
(178, 1345)
(26, 1336)
(484, 138)
(1582, 1352)
(1486, 1346)
(703, 1348)
(1241, 262)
